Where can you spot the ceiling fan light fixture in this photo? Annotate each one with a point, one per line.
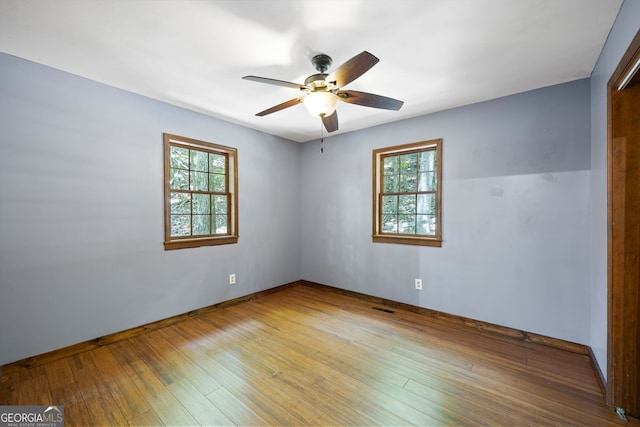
(321, 104)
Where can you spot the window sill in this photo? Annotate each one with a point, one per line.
(194, 243)
(406, 240)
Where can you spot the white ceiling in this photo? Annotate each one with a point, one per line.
(434, 54)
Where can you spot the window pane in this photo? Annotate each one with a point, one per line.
(426, 224)
(180, 203)
(179, 179)
(407, 224)
(428, 161)
(199, 161)
(432, 225)
(390, 166)
(217, 163)
(201, 225)
(217, 183)
(199, 181)
(426, 204)
(221, 224)
(220, 204)
(422, 181)
(407, 204)
(179, 158)
(427, 181)
(390, 183)
(409, 164)
(408, 183)
(432, 180)
(390, 204)
(421, 224)
(202, 204)
(180, 225)
(390, 223)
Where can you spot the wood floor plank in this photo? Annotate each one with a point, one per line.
(78, 414)
(171, 364)
(239, 413)
(86, 375)
(263, 381)
(34, 388)
(168, 409)
(106, 363)
(202, 409)
(244, 389)
(59, 373)
(117, 382)
(10, 388)
(104, 410)
(311, 356)
(69, 393)
(149, 418)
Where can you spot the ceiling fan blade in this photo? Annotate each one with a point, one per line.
(370, 100)
(352, 69)
(331, 122)
(274, 82)
(287, 104)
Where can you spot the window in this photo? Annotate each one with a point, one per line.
(200, 193)
(407, 194)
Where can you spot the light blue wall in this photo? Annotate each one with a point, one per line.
(81, 202)
(625, 28)
(515, 213)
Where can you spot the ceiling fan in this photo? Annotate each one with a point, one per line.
(321, 92)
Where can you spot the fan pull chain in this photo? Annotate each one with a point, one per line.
(321, 137)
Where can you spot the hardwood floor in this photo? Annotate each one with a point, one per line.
(308, 356)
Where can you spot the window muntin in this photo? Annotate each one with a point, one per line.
(407, 193)
(200, 193)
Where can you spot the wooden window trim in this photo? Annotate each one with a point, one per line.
(408, 239)
(232, 235)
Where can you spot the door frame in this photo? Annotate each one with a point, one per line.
(623, 304)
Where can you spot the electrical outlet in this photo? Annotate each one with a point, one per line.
(232, 279)
(419, 284)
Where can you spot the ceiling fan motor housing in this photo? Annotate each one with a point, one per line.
(321, 62)
(317, 82)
